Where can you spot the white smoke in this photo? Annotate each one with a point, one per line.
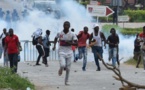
(72, 12)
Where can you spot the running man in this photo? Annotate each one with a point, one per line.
(66, 39)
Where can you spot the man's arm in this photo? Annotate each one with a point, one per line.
(55, 41)
(90, 38)
(74, 41)
(117, 40)
(6, 46)
(92, 43)
(80, 34)
(104, 39)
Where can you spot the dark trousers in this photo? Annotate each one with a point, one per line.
(13, 61)
(47, 50)
(40, 51)
(99, 50)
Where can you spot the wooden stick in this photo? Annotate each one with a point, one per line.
(120, 78)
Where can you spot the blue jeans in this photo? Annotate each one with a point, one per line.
(113, 55)
(74, 54)
(99, 50)
(82, 54)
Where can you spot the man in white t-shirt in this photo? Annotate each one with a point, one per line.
(66, 39)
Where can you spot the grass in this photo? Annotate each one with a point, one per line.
(131, 31)
(13, 81)
(123, 31)
(133, 62)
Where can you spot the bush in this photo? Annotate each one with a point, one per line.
(106, 29)
(13, 81)
(104, 19)
(131, 31)
(123, 31)
(84, 3)
(135, 15)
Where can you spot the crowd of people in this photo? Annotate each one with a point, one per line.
(68, 43)
(12, 16)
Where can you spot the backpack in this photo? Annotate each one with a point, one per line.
(34, 40)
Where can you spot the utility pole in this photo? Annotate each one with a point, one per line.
(117, 12)
(116, 4)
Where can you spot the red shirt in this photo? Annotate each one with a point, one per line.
(82, 40)
(73, 47)
(142, 35)
(12, 44)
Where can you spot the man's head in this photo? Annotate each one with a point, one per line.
(85, 29)
(11, 32)
(72, 30)
(48, 32)
(96, 28)
(4, 30)
(144, 29)
(113, 31)
(66, 25)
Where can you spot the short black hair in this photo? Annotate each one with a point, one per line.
(67, 22)
(47, 31)
(4, 29)
(11, 29)
(72, 30)
(112, 29)
(143, 27)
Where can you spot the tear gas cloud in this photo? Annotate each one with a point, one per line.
(70, 11)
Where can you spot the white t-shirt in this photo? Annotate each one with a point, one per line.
(98, 39)
(65, 37)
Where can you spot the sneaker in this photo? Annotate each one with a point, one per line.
(43, 62)
(60, 71)
(46, 65)
(75, 60)
(66, 83)
(137, 66)
(38, 64)
(83, 69)
(98, 69)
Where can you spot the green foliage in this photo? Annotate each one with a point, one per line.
(133, 62)
(123, 31)
(106, 19)
(131, 31)
(135, 15)
(14, 81)
(106, 29)
(84, 3)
